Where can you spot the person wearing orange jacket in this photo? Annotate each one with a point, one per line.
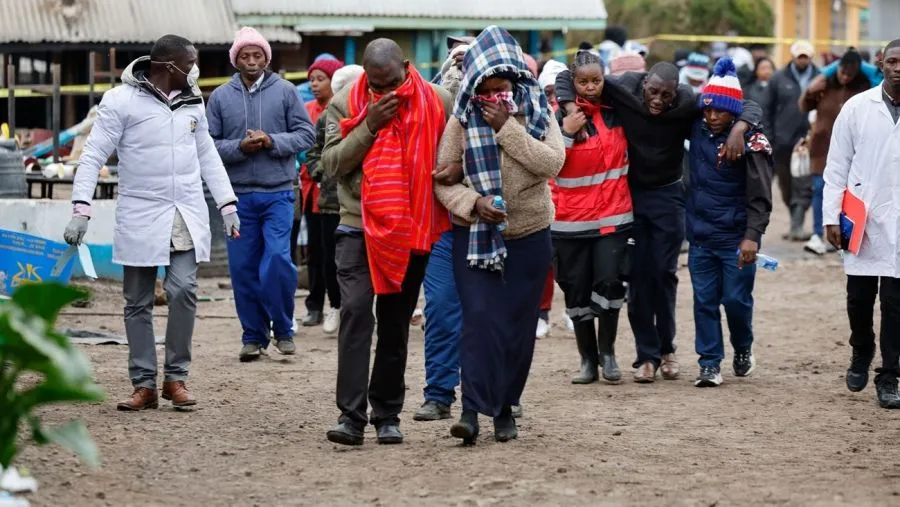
(593, 220)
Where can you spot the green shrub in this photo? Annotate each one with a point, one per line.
(29, 345)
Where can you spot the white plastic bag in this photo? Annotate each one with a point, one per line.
(800, 159)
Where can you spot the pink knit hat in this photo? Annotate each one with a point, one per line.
(627, 62)
(248, 36)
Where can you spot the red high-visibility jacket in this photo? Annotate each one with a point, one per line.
(593, 198)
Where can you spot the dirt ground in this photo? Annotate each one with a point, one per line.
(790, 435)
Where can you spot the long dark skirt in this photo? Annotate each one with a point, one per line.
(499, 312)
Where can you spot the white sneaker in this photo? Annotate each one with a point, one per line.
(816, 245)
(543, 329)
(332, 321)
(294, 327)
(569, 324)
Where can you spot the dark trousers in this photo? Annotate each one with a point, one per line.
(320, 264)
(658, 233)
(589, 272)
(796, 193)
(387, 387)
(498, 314)
(717, 281)
(861, 292)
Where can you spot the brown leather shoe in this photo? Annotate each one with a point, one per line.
(142, 398)
(646, 373)
(669, 367)
(177, 393)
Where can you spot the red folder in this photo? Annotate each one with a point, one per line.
(854, 209)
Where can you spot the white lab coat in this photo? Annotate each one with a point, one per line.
(163, 155)
(864, 156)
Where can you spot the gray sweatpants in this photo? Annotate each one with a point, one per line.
(181, 288)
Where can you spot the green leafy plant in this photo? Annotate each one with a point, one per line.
(38, 366)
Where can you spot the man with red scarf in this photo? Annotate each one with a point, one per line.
(381, 142)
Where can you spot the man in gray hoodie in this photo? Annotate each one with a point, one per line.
(259, 125)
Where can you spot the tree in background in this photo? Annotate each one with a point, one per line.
(645, 18)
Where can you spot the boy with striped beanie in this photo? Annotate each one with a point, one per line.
(727, 213)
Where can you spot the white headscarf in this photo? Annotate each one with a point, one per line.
(344, 76)
(548, 75)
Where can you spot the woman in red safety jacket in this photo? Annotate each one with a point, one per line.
(593, 219)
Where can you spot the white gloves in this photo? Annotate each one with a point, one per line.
(232, 222)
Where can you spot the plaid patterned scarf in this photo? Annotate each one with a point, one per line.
(400, 213)
(494, 51)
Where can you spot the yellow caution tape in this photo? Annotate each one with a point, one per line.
(99, 88)
(738, 39)
(24, 92)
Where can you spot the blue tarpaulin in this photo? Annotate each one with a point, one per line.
(31, 259)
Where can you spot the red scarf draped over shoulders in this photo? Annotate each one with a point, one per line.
(400, 213)
(309, 189)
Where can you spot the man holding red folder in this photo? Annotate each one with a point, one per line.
(864, 163)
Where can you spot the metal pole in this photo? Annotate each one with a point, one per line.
(112, 67)
(11, 90)
(56, 69)
(92, 64)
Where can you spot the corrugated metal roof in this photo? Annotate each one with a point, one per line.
(477, 9)
(279, 34)
(120, 21)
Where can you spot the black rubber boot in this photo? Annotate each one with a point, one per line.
(466, 428)
(607, 328)
(505, 426)
(586, 339)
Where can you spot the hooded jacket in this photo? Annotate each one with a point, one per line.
(165, 155)
(276, 109)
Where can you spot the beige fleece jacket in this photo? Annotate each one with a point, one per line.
(526, 164)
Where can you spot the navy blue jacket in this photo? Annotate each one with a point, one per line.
(726, 202)
(276, 109)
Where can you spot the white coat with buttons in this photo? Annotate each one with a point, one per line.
(864, 157)
(164, 156)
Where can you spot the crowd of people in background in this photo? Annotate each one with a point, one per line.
(489, 185)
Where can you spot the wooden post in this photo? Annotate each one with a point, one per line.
(92, 64)
(11, 90)
(56, 70)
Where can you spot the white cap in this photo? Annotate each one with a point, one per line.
(802, 48)
(548, 75)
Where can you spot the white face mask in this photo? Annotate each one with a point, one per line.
(193, 75)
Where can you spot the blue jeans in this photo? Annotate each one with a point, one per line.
(443, 324)
(818, 189)
(262, 272)
(717, 281)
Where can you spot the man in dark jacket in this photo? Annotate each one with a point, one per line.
(657, 115)
(789, 125)
(259, 125)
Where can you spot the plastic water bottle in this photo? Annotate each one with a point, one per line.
(500, 204)
(764, 261)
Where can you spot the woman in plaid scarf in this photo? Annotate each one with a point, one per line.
(502, 137)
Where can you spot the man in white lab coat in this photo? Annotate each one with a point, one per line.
(864, 158)
(157, 123)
